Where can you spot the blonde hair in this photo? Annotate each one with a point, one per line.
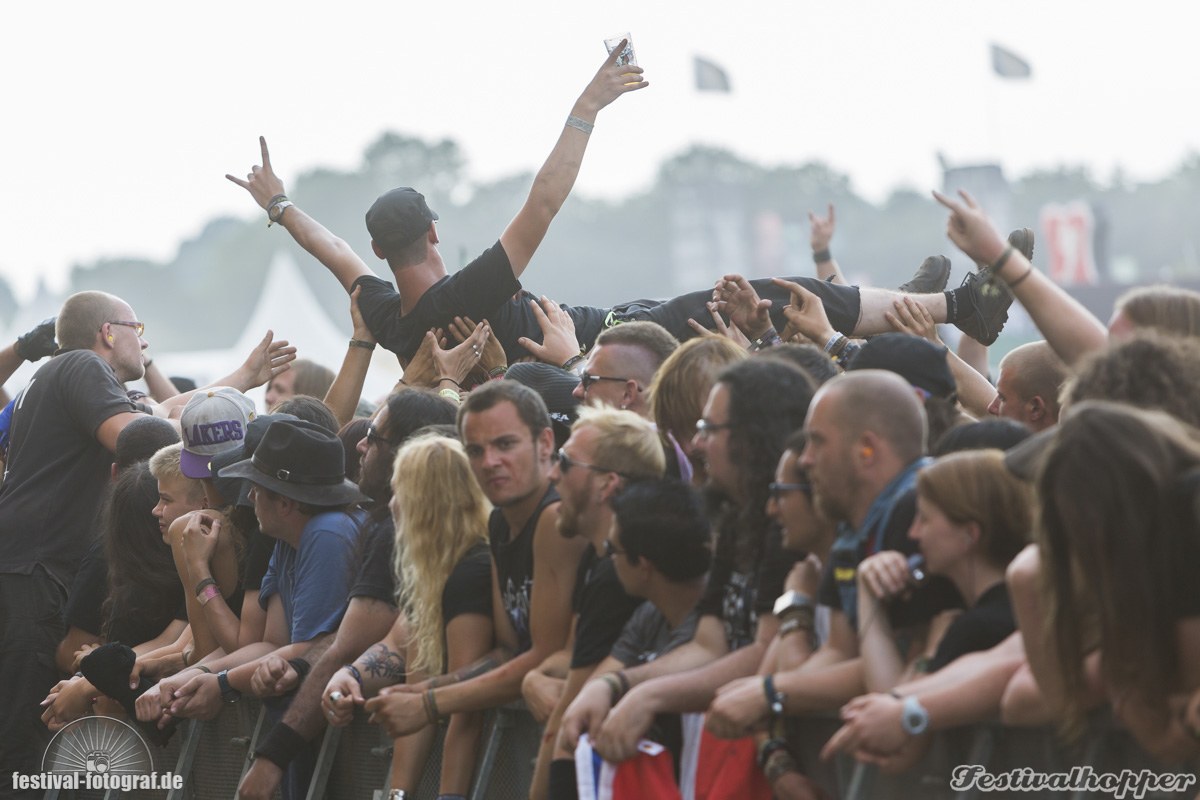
(625, 442)
(1168, 309)
(164, 466)
(440, 514)
(976, 486)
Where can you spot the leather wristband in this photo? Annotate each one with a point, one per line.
(363, 344)
(280, 745)
(301, 666)
(821, 256)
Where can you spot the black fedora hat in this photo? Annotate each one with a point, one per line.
(300, 460)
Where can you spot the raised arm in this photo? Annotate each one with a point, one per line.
(554, 180)
(265, 187)
(1071, 330)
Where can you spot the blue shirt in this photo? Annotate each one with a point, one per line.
(313, 581)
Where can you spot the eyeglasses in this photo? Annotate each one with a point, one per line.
(139, 327)
(565, 462)
(374, 437)
(611, 550)
(587, 379)
(778, 489)
(705, 428)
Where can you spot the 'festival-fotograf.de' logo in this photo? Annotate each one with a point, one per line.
(97, 753)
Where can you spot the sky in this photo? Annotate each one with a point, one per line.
(120, 120)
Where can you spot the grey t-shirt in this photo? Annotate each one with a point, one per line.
(647, 635)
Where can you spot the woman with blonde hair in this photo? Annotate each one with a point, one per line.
(444, 572)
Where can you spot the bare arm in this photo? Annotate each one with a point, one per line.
(332, 252)
(554, 563)
(820, 234)
(160, 385)
(1070, 329)
(554, 180)
(346, 389)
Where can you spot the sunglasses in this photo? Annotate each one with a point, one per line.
(587, 379)
(139, 327)
(374, 437)
(777, 490)
(565, 462)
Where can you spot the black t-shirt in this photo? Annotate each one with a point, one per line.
(88, 591)
(376, 577)
(469, 588)
(602, 607)
(981, 627)
(738, 597)
(647, 635)
(255, 559)
(134, 626)
(484, 288)
(57, 470)
(513, 556)
(841, 573)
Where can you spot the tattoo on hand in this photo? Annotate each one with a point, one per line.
(380, 662)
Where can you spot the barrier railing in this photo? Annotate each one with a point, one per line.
(353, 762)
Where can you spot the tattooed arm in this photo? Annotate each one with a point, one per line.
(489, 662)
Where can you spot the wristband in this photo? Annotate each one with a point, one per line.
(496, 373)
(280, 745)
(768, 339)
(614, 688)
(572, 361)
(208, 593)
(833, 342)
(431, 709)
(353, 670)
(624, 681)
(362, 344)
(769, 747)
(794, 624)
(580, 124)
(202, 584)
(821, 256)
(441, 378)
(775, 698)
(204, 669)
(450, 395)
(779, 764)
(1002, 260)
(1012, 285)
(301, 666)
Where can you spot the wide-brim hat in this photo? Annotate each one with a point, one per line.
(302, 461)
(237, 490)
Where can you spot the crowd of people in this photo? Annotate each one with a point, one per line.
(677, 523)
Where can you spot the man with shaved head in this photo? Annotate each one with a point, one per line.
(1027, 389)
(620, 367)
(64, 431)
(866, 442)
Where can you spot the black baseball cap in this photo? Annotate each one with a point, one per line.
(919, 361)
(399, 218)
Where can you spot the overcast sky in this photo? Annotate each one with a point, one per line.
(121, 119)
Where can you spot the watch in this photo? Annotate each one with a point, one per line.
(275, 212)
(791, 600)
(229, 694)
(914, 718)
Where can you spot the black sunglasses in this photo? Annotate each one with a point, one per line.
(565, 462)
(587, 379)
(374, 437)
(778, 489)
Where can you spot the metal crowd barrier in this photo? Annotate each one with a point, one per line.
(354, 762)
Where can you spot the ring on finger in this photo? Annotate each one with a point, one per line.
(335, 696)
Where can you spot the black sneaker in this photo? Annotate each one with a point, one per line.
(930, 278)
(987, 300)
(1022, 239)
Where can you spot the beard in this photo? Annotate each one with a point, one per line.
(568, 521)
(376, 480)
